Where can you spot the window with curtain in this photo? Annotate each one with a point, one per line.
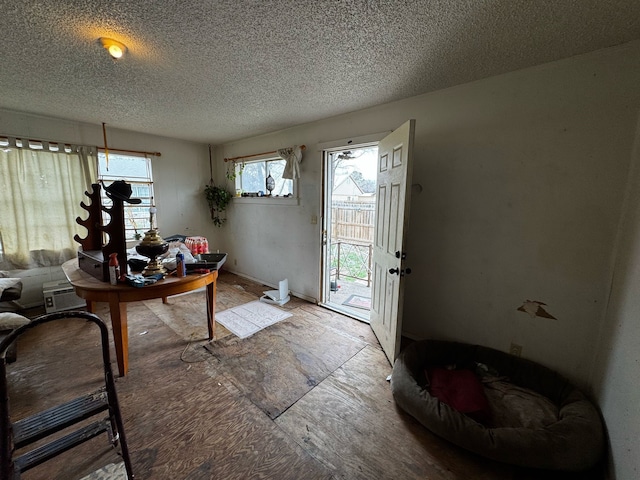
(251, 177)
(41, 187)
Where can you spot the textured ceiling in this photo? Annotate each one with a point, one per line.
(216, 71)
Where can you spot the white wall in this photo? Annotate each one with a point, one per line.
(523, 177)
(618, 360)
(178, 178)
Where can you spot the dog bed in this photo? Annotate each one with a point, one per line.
(523, 413)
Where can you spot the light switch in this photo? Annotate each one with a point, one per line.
(314, 219)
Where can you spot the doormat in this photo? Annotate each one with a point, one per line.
(358, 301)
(247, 319)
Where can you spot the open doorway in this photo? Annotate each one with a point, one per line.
(348, 229)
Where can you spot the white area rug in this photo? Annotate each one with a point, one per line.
(113, 471)
(247, 319)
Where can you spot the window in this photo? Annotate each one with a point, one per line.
(41, 187)
(251, 177)
(135, 170)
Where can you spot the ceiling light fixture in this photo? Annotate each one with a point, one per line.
(115, 48)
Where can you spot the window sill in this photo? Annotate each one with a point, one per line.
(268, 200)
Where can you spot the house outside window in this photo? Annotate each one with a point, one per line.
(136, 171)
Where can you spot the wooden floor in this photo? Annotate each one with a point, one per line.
(306, 398)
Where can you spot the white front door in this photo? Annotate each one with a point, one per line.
(395, 154)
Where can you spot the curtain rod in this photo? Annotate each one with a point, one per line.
(152, 154)
(233, 159)
(34, 140)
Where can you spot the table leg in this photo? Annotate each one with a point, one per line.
(211, 309)
(118, 311)
(91, 306)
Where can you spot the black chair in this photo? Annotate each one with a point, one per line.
(101, 406)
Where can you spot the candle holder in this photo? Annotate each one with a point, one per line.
(152, 246)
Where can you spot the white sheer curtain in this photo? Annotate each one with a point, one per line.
(40, 195)
(293, 157)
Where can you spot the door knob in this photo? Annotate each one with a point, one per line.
(397, 271)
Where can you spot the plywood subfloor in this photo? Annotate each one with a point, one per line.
(255, 364)
(350, 423)
(306, 398)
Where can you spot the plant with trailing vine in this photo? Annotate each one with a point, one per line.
(233, 170)
(217, 198)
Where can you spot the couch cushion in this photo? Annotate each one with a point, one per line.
(9, 288)
(11, 321)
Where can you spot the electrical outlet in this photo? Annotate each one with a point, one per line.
(515, 349)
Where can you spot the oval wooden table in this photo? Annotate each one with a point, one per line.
(93, 290)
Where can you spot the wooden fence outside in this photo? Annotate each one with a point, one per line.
(353, 222)
(352, 233)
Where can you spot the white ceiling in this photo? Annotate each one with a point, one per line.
(216, 71)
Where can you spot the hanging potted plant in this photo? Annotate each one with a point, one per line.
(218, 198)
